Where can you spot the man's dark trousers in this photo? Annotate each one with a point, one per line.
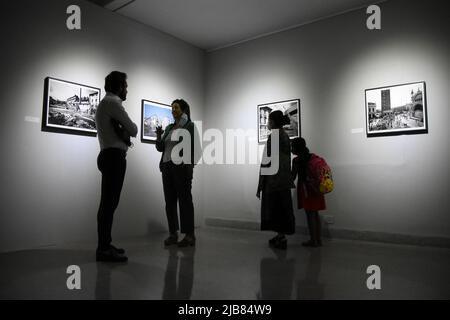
(112, 164)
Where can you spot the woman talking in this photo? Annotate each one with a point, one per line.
(176, 176)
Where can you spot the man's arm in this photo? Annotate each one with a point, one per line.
(119, 114)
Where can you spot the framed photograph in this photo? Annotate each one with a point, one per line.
(291, 108)
(69, 107)
(395, 110)
(154, 114)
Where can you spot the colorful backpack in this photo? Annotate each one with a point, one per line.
(320, 175)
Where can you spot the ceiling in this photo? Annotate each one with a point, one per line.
(215, 24)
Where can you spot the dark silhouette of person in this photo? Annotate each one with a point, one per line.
(310, 287)
(114, 128)
(179, 276)
(103, 281)
(139, 284)
(277, 213)
(277, 277)
(177, 177)
(308, 198)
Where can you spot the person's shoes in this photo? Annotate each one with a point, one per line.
(278, 243)
(118, 250)
(172, 239)
(312, 244)
(188, 241)
(274, 240)
(110, 255)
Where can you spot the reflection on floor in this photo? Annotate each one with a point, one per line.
(230, 264)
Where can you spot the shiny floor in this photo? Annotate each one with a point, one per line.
(230, 264)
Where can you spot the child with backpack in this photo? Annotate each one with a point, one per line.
(314, 180)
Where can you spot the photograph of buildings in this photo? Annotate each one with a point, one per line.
(397, 109)
(70, 106)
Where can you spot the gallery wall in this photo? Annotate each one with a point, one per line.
(393, 185)
(50, 183)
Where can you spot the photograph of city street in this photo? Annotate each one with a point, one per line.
(396, 109)
(70, 107)
(291, 108)
(154, 114)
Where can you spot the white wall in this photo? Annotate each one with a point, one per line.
(394, 184)
(50, 182)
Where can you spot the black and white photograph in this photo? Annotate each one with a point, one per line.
(70, 107)
(398, 109)
(291, 108)
(154, 114)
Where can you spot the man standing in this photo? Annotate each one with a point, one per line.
(114, 128)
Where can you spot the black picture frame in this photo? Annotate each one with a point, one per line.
(69, 107)
(288, 107)
(154, 114)
(399, 109)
